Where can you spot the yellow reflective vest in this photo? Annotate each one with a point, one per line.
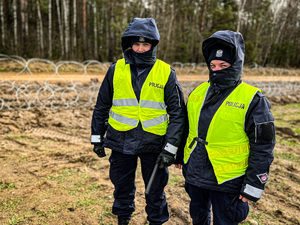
(226, 142)
(127, 112)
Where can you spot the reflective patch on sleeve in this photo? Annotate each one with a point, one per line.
(95, 139)
(263, 178)
(253, 191)
(171, 148)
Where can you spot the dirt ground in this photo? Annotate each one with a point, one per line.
(50, 175)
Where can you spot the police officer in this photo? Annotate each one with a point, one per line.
(140, 107)
(231, 137)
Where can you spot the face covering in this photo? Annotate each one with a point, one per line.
(144, 59)
(222, 79)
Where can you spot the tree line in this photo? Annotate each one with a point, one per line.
(92, 29)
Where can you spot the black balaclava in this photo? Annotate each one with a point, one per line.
(141, 59)
(231, 43)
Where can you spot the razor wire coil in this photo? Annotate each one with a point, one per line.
(25, 94)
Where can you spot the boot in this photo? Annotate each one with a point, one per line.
(123, 222)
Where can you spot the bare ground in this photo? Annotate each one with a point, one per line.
(49, 174)
(189, 76)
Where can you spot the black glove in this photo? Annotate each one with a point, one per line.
(165, 159)
(99, 150)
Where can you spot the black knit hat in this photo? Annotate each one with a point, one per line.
(220, 52)
(135, 39)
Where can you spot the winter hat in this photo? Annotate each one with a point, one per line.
(220, 52)
(135, 39)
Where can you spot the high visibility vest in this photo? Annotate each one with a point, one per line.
(126, 111)
(227, 143)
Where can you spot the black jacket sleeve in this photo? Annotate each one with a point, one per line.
(260, 129)
(102, 107)
(176, 109)
(180, 152)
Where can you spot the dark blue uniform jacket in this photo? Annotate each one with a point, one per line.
(259, 127)
(137, 140)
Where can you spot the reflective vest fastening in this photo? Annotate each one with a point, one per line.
(226, 142)
(127, 112)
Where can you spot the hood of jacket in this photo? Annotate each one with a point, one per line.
(140, 27)
(230, 76)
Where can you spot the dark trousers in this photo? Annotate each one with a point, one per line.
(227, 208)
(122, 175)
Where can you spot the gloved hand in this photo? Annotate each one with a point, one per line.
(99, 150)
(165, 159)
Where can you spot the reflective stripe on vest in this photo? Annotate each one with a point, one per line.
(125, 102)
(126, 111)
(227, 143)
(123, 119)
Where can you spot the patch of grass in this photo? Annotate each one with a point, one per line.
(280, 123)
(94, 186)
(85, 202)
(10, 204)
(11, 137)
(288, 156)
(246, 223)
(52, 177)
(282, 186)
(4, 185)
(105, 214)
(291, 143)
(79, 185)
(24, 158)
(64, 175)
(68, 172)
(14, 220)
(74, 183)
(259, 218)
(289, 109)
(292, 106)
(174, 180)
(285, 109)
(47, 213)
(42, 221)
(41, 213)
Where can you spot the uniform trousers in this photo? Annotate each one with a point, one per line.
(122, 175)
(227, 208)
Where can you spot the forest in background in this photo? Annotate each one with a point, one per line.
(92, 29)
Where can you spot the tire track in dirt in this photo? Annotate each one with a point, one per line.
(55, 135)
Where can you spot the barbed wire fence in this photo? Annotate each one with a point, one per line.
(41, 83)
